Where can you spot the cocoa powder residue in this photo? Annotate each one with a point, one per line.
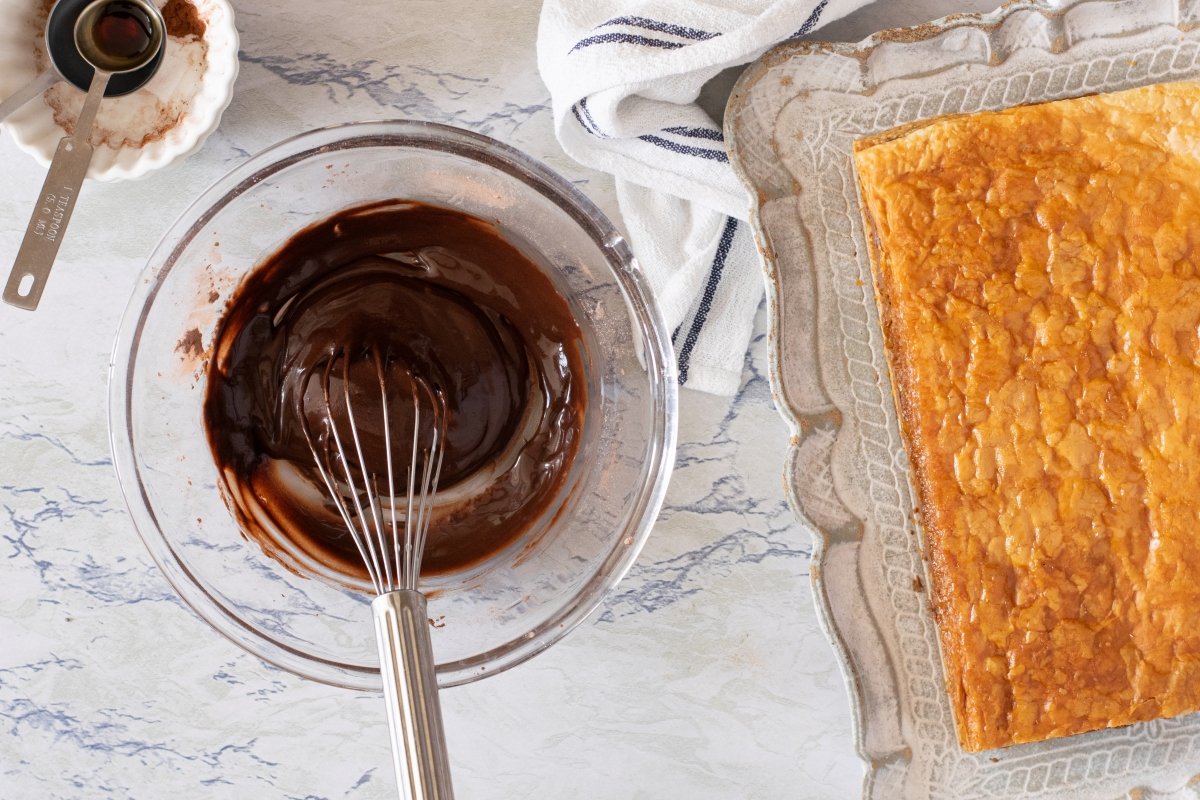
(183, 19)
(159, 115)
(191, 345)
(168, 116)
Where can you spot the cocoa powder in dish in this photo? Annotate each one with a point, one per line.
(183, 19)
(151, 113)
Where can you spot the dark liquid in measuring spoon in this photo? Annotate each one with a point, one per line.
(122, 31)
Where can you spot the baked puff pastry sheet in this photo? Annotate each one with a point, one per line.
(1036, 275)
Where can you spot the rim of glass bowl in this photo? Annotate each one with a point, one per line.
(441, 138)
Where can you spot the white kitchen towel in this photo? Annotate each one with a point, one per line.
(624, 76)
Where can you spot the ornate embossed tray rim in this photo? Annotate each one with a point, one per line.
(789, 126)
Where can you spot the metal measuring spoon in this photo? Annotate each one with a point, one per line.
(27, 92)
(115, 37)
(67, 64)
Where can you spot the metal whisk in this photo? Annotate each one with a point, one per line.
(365, 496)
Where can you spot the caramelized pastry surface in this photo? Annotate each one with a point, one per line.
(1036, 274)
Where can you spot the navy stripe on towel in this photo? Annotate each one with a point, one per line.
(626, 38)
(682, 31)
(812, 20)
(585, 118)
(684, 149)
(696, 133)
(579, 119)
(706, 301)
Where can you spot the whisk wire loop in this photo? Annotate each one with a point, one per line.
(323, 459)
(354, 487)
(431, 473)
(353, 492)
(409, 518)
(391, 482)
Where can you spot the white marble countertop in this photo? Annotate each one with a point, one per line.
(705, 676)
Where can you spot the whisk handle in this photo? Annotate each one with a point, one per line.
(410, 689)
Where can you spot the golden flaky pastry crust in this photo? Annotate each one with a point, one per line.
(1036, 273)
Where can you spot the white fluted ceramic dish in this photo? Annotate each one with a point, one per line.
(790, 125)
(33, 127)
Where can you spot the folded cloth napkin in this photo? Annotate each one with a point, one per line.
(624, 76)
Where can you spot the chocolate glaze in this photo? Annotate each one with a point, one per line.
(435, 293)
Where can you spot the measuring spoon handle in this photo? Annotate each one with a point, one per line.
(27, 92)
(60, 190)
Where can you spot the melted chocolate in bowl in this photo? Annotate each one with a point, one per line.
(435, 293)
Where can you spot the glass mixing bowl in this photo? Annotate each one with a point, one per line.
(495, 615)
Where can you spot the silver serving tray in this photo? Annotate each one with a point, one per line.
(789, 126)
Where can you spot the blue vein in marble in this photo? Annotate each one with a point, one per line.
(654, 586)
(110, 736)
(269, 681)
(28, 508)
(42, 520)
(9, 430)
(410, 89)
(139, 583)
(110, 733)
(22, 671)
